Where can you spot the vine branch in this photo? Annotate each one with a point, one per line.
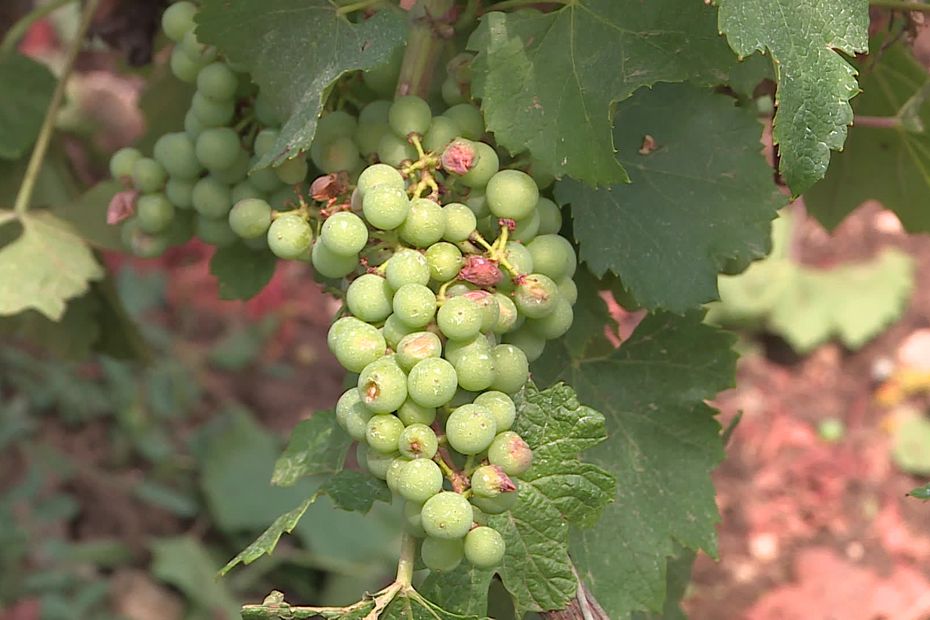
(24, 196)
(424, 44)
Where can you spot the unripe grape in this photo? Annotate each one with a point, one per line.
(394, 473)
(415, 305)
(459, 318)
(344, 233)
(212, 113)
(442, 556)
(432, 382)
(416, 347)
(385, 206)
(485, 168)
(553, 256)
(369, 298)
(487, 304)
(217, 148)
(418, 441)
(447, 516)
(526, 229)
(412, 522)
(442, 131)
(409, 114)
(339, 154)
(335, 124)
(244, 190)
(425, 223)
(456, 348)
(383, 432)
(375, 112)
(468, 118)
(215, 231)
(292, 171)
(550, 217)
(395, 151)
(331, 265)
(183, 66)
(383, 78)
(501, 407)
(509, 452)
(154, 213)
(178, 20)
(491, 481)
(554, 324)
(528, 341)
(512, 194)
(265, 112)
(352, 415)
(383, 386)
(180, 193)
(484, 547)
(462, 397)
(394, 330)
(470, 429)
(478, 203)
(377, 463)
(568, 290)
(217, 81)
(122, 162)
(290, 236)
(192, 125)
(148, 175)
(419, 480)
(198, 51)
(237, 172)
(445, 261)
(413, 413)
(536, 295)
(355, 344)
(518, 256)
(460, 222)
(380, 174)
(507, 314)
(407, 267)
(452, 91)
(250, 218)
(512, 370)
(368, 138)
(475, 370)
(496, 505)
(264, 141)
(265, 180)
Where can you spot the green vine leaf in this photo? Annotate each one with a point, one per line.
(44, 266)
(317, 446)
(27, 89)
(547, 81)
(815, 83)
(921, 493)
(701, 193)
(410, 605)
(241, 271)
(270, 37)
(899, 177)
(558, 488)
(463, 591)
(356, 491)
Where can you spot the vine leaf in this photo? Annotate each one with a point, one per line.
(317, 446)
(410, 605)
(464, 590)
(921, 493)
(270, 38)
(815, 83)
(186, 564)
(45, 266)
(558, 488)
(241, 271)
(701, 193)
(900, 177)
(356, 491)
(27, 88)
(547, 80)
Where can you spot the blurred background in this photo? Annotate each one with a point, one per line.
(137, 439)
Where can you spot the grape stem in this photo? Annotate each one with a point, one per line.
(424, 47)
(24, 197)
(21, 27)
(405, 564)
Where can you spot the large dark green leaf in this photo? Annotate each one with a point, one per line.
(27, 88)
(241, 271)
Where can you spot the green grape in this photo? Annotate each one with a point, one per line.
(369, 298)
(527, 340)
(470, 429)
(243, 190)
(217, 148)
(418, 441)
(338, 155)
(485, 168)
(180, 193)
(237, 172)
(475, 370)
(447, 516)
(264, 141)
(518, 256)
(462, 397)
(550, 217)
(283, 200)
(211, 198)
(489, 227)
(122, 162)
(217, 81)
(478, 203)
(215, 231)
(336, 124)
(412, 522)
(265, 180)
(407, 267)
(526, 229)
(395, 151)
(419, 480)
(409, 115)
(178, 20)
(507, 314)
(192, 126)
(344, 233)
(212, 113)
(368, 137)
(415, 305)
(512, 194)
(196, 50)
(183, 66)
(459, 318)
(250, 218)
(452, 91)
(154, 213)
(383, 386)
(375, 112)
(265, 112)
(385, 206)
(568, 290)
(425, 223)
(377, 463)
(456, 348)
(496, 505)
(511, 367)
(432, 382)
(412, 413)
(383, 78)
(460, 288)
(553, 256)
(442, 131)
(468, 118)
(490, 481)
(501, 407)
(331, 265)
(355, 344)
(382, 432)
(554, 324)
(292, 171)
(460, 222)
(380, 174)
(142, 244)
(445, 261)
(509, 452)
(536, 295)
(487, 304)
(442, 556)
(484, 547)
(394, 330)
(352, 415)
(289, 236)
(148, 175)
(394, 472)
(416, 347)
